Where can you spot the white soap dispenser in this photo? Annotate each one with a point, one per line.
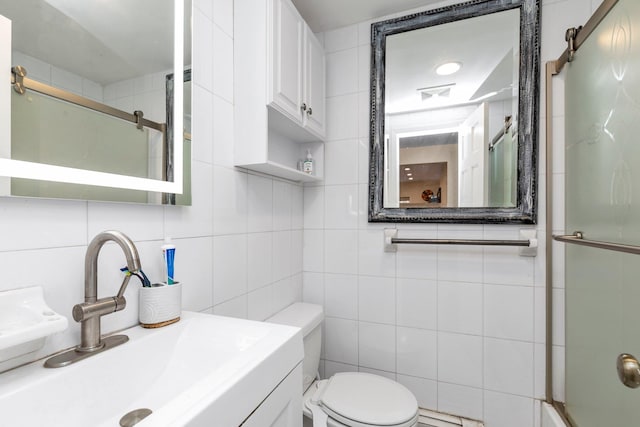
(307, 165)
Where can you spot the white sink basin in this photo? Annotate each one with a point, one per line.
(203, 370)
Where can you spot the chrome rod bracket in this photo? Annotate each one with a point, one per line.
(139, 115)
(18, 74)
(570, 38)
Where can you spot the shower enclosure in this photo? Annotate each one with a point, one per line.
(602, 217)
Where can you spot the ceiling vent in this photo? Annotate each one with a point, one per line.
(440, 91)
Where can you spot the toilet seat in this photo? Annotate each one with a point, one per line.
(357, 399)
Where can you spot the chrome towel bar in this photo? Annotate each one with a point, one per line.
(577, 238)
(529, 243)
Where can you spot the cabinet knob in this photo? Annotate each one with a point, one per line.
(303, 107)
(309, 111)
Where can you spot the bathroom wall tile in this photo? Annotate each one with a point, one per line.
(196, 220)
(342, 72)
(508, 312)
(363, 161)
(341, 296)
(341, 38)
(341, 340)
(38, 70)
(297, 243)
(205, 6)
(341, 207)
(236, 307)
(342, 117)
(376, 299)
(229, 267)
(223, 15)
(364, 66)
(32, 223)
(372, 259)
(192, 271)
(313, 207)
(425, 391)
(202, 130)
(92, 90)
(260, 205)
(539, 373)
(460, 307)
(508, 366)
(377, 346)
(66, 80)
(558, 357)
(558, 317)
(285, 293)
(260, 260)
(202, 59)
(313, 250)
(282, 254)
(455, 350)
(332, 368)
(417, 303)
(391, 375)
(222, 131)
(222, 64)
(364, 116)
(230, 210)
(460, 400)
(506, 410)
(341, 251)
(313, 288)
(504, 265)
(417, 352)
(281, 205)
(138, 221)
(341, 162)
(297, 207)
(417, 261)
(260, 303)
(364, 32)
(460, 264)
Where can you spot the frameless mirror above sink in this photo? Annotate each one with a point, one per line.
(203, 370)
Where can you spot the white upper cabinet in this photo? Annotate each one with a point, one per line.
(297, 69)
(288, 30)
(314, 84)
(279, 90)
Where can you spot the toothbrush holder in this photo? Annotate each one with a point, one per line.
(160, 305)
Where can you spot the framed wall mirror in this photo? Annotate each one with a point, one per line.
(91, 116)
(454, 114)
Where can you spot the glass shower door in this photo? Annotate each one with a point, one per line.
(602, 96)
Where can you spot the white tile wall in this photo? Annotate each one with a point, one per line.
(478, 308)
(239, 247)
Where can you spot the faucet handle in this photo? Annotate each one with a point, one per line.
(87, 310)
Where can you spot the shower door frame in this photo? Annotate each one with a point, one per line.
(575, 38)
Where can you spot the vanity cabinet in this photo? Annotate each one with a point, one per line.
(279, 89)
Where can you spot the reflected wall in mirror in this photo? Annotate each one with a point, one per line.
(454, 114)
(95, 97)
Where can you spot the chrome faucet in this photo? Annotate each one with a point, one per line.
(90, 312)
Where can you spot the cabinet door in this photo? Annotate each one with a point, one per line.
(286, 68)
(314, 93)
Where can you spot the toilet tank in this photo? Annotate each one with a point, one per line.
(307, 317)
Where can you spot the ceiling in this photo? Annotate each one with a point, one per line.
(324, 15)
(107, 42)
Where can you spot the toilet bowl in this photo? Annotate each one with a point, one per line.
(351, 399)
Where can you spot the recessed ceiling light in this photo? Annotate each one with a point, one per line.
(407, 169)
(409, 174)
(410, 179)
(448, 68)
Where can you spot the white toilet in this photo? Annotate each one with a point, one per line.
(352, 399)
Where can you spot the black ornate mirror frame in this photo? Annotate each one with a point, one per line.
(525, 210)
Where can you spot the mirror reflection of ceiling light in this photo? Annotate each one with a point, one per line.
(448, 68)
(410, 179)
(407, 169)
(409, 174)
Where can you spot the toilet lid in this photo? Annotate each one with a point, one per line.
(368, 399)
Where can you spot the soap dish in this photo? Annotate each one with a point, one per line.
(25, 322)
